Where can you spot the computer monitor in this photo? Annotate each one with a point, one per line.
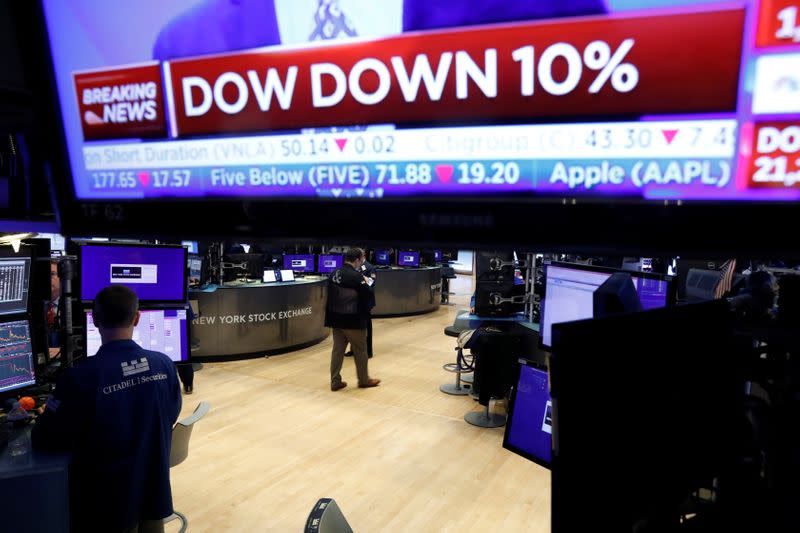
(159, 330)
(195, 270)
(191, 246)
(529, 429)
(383, 258)
(14, 284)
(329, 263)
(157, 274)
(635, 446)
(269, 276)
(408, 258)
(254, 264)
(569, 292)
(299, 263)
(437, 256)
(16, 355)
(286, 275)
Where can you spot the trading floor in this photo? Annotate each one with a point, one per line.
(396, 457)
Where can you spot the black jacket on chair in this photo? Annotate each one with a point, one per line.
(348, 300)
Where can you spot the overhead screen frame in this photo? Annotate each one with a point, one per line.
(672, 285)
(108, 244)
(574, 224)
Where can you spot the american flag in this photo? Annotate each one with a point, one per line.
(726, 272)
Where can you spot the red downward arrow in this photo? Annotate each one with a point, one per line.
(340, 143)
(669, 135)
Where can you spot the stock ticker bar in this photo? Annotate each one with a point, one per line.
(657, 158)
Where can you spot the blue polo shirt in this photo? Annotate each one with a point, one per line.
(115, 412)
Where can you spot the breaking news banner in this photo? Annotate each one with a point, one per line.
(651, 99)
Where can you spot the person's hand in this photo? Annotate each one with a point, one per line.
(366, 279)
(54, 352)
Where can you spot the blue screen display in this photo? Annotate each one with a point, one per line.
(153, 273)
(531, 426)
(299, 263)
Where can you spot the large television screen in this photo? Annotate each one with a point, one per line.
(650, 99)
(154, 273)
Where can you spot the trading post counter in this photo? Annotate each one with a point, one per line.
(246, 320)
(407, 291)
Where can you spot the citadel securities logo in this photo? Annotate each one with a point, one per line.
(121, 102)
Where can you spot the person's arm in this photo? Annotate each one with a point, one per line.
(58, 425)
(350, 279)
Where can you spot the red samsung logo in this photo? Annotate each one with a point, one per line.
(121, 102)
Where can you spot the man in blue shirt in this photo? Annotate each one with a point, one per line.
(114, 413)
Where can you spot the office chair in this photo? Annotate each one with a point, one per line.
(180, 450)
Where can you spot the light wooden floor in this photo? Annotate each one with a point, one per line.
(395, 458)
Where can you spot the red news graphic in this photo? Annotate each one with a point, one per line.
(619, 65)
(776, 155)
(121, 102)
(778, 23)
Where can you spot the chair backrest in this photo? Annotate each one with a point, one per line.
(182, 432)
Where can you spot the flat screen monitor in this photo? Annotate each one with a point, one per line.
(299, 263)
(269, 276)
(437, 256)
(159, 330)
(383, 258)
(407, 258)
(286, 275)
(195, 270)
(191, 246)
(329, 263)
(678, 375)
(16, 355)
(529, 430)
(14, 284)
(600, 100)
(154, 273)
(569, 290)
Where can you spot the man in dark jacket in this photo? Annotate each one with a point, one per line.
(114, 412)
(367, 269)
(347, 314)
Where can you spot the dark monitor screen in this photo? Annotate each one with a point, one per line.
(383, 257)
(676, 378)
(154, 273)
(159, 330)
(299, 263)
(329, 263)
(530, 424)
(408, 258)
(569, 290)
(16, 355)
(14, 281)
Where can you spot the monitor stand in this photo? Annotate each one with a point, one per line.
(485, 419)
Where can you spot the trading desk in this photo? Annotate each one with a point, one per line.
(407, 291)
(243, 320)
(34, 488)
